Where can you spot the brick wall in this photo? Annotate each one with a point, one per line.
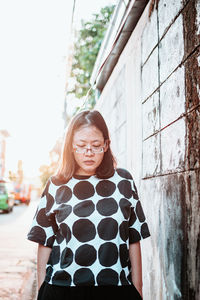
(151, 105)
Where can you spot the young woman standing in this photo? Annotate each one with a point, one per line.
(89, 221)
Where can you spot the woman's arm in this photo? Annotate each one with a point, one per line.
(42, 259)
(136, 265)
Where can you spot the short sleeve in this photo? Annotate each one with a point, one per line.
(43, 227)
(138, 227)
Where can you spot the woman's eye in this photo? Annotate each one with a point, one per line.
(80, 146)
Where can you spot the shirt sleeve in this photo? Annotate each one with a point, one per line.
(43, 227)
(138, 227)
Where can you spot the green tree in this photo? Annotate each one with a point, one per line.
(87, 44)
(47, 170)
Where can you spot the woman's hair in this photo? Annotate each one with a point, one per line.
(67, 164)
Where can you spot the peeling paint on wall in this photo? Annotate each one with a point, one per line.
(198, 17)
(191, 21)
(164, 82)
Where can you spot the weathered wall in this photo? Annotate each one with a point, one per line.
(151, 105)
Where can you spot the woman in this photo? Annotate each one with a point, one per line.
(89, 222)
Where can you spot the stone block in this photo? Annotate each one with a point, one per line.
(193, 139)
(193, 234)
(171, 231)
(119, 140)
(120, 112)
(167, 11)
(119, 84)
(149, 36)
(192, 76)
(150, 115)
(151, 156)
(162, 198)
(150, 75)
(172, 97)
(197, 6)
(173, 147)
(171, 49)
(191, 21)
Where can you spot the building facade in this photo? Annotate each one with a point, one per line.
(149, 87)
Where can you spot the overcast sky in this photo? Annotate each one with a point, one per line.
(34, 43)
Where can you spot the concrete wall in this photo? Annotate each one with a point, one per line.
(151, 105)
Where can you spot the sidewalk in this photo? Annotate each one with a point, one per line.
(17, 256)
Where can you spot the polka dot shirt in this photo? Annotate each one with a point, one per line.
(89, 223)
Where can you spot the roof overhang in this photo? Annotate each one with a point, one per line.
(102, 73)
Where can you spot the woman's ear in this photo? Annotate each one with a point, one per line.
(107, 143)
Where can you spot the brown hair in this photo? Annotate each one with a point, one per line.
(67, 164)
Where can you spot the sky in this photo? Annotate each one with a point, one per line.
(34, 39)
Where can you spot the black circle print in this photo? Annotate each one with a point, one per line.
(85, 255)
(83, 276)
(108, 254)
(125, 207)
(144, 230)
(63, 194)
(123, 279)
(107, 229)
(49, 272)
(135, 193)
(66, 258)
(50, 202)
(105, 188)
(123, 255)
(50, 241)
(123, 230)
(125, 188)
(84, 209)
(133, 217)
(62, 277)
(42, 219)
(107, 206)
(139, 212)
(107, 277)
(59, 237)
(54, 256)
(134, 235)
(62, 212)
(124, 173)
(83, 190)
(84, 230)
(65, 232)
(39, 232)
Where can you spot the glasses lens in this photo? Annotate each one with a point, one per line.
(92, 149)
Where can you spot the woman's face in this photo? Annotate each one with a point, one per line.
(88, 137)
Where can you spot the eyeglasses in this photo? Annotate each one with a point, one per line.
(94, 149)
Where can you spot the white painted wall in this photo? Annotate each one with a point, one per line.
(144, 105)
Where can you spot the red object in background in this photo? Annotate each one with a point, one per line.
(23, 193)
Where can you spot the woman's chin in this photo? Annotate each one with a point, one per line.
(88, 170)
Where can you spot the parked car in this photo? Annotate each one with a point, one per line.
(7, 199)
(22, 193)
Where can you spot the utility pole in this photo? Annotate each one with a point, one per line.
(69, 64)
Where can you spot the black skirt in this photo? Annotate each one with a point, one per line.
(53, 292)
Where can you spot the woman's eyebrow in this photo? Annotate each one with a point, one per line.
(91, 141)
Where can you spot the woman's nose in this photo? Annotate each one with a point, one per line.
(89, 151)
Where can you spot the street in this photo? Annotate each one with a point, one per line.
(17, 254)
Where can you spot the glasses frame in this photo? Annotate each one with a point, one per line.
(85, 150)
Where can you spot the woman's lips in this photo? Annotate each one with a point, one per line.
(89, 162)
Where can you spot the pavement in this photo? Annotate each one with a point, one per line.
(17, 255)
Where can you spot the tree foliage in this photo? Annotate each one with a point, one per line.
(47, 170)
(87, 44)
